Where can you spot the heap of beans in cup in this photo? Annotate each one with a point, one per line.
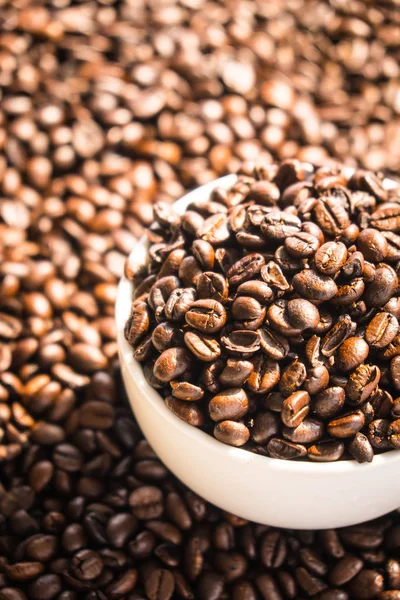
(268, 313)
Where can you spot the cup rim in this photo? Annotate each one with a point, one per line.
(200, 437)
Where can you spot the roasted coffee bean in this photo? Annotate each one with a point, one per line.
(302, 314)
(258, 290)
(273, 344)
(273, 549)
(330, 257)
(178, 303)
(204, 254)
(266, 426)
(295, 408)
(236, 372)
(246, 308)
(272, 274)
(317, 380)
(361, 449)
(313, 286)
(373, 245)
(208, 316)
(345, 570)
(212, 286)
(187, 411)
(232, 433)
(278, 225)
(292, 378)
(329, 402)
(231, 404)
(366, 584)
(202, 346)
(160, 584)
(302, 244)
(241, 342)
(383, 286)
(347, 425)
(147, 502)
(351, 354)
(138, 322)
(326, 451)
(362, 383)
(165, 336)
(381, 330)
(244, 269)
(282, 449)
(172, 363)
(278, 318)
(184, 390)
(265, 375)
(307, 432)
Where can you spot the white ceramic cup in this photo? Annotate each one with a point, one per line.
(299, 495)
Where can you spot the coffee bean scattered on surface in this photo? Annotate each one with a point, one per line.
(106, 107)
(267, 314)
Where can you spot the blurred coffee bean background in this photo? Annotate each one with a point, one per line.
(106, 108)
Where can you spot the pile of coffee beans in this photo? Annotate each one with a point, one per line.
(268, 312)
(106, 107)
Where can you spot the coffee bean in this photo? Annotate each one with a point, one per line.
(382, 288)
(381, 330)
(366, 584)
(147, 502)
(258, 290)
(295, 408)
(212, 286)
(138, 322)
(96, 415)
(266, 426)
(178, 303)
(210, 586)
(292, 378)
(362, 381)
(187, 411)
(273, 344)
(360, 448)
(241, 342)
(314, 286)
(329, 402)
(302, 244)
(373, 245)
(302, 314)
(45, 587)
(186, 391)
(171, 364)
(24, 570)
(202, 346)
(352, 353)
(317, 380)
(330, 257)
(164, 336)
(307, 432)
(236, 372)
(273, 550)
(245, 269)
(231, 404)
(326, 451)
(86, 565)
(347, 425)
(232, 433)
(278, 225)
(265, 375)
(208, 316)
(278, 448)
